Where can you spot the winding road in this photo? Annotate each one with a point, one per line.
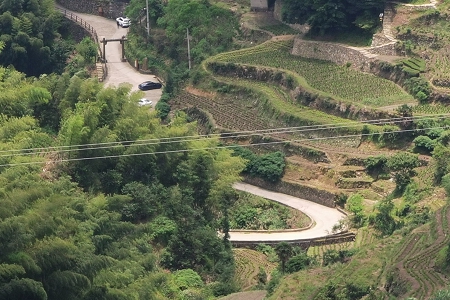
(324, 217)
(119, 72)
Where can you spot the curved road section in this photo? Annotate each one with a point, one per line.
(324, 217)
(118, 72)
(121, 72)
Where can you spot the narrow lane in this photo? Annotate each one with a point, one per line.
(118, 71)
(324, 217)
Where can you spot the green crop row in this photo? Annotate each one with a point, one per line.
(339, 81)
(277, 106)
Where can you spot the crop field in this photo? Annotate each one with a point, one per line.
(438, 61)
(248, 263)
(415, 258)
(280, 105)
(227, 113)
(428, 109)
(339, 81)
(318, 251)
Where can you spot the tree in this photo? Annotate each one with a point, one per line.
(441, 295)
(402, 166)
(384, 222)
(208, 24)
(88, 50)
(355, 206)
(326, 16)
(375, 165)
(284, 252)
(298, 262)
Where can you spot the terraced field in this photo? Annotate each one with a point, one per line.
(340, 81)
(248, 263)
(227, 112)
(415, 260)
(318, 251)
(278, 103)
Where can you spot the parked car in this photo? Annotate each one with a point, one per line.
(149, 85)
(123, 21)
(144, 101)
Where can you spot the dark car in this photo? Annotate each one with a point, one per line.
(149, 85)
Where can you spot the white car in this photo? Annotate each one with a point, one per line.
(144, 101)
(123, 21)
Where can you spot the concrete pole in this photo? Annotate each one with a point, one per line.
(104, 48)
(148, 20)
(189, 48)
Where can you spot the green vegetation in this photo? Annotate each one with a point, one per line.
(107, 227)
(269, 166)
(338, 81)
(328, 17)
(34, 37)
(252, 212)
(413, 66)
(280, 29)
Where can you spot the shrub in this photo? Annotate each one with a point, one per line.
(162, 109)
(298, 262)
(270, 166)
(418, 87)
(424, 143)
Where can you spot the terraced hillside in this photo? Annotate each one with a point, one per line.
(248, 264)
(236, 100)
(415, 261)
(340, 82)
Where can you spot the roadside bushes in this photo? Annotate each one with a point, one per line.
(269, 166)
(419, 88)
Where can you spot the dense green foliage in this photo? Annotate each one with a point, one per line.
(269, 166)
(252, 212)
(31, 32)
(105, 228)
(355, 206)
(326, 16)
(210, 26)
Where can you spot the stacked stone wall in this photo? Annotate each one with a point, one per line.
(277, 10)
(108, 8)
(386, 49)
(297, 190)
(336, 53)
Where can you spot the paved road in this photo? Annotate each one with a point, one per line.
(324, 217)
(121, 72)
(118, 71)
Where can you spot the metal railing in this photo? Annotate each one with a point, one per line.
(71, 16)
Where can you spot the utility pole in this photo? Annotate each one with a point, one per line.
(189, 48)
(148, 20)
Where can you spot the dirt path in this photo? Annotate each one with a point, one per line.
(118, 72)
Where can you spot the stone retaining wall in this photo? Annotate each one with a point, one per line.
(336, 53)
(297, 190)
(108, 8)
(386, 49)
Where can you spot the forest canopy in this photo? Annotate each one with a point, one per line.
(326, 16)
(107, 228)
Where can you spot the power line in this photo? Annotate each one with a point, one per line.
(238, 134)
(213, 148)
